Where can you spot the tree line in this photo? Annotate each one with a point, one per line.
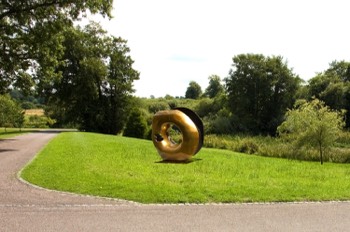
(259, 90)
(85, 76)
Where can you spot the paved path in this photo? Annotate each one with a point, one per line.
(25, 208)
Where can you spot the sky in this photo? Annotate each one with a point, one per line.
(175, 42)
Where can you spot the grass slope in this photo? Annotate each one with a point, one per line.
(127, 168)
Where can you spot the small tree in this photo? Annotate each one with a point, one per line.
(11, 114)
(136, 125)
(194, 90)
(312, 123)
(215, 87)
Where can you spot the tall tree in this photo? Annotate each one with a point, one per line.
(194, 90)
(333, 87)
(30, 37)
(260, 89)
(215, 87)
(97, 81)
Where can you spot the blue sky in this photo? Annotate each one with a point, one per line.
(175, 42)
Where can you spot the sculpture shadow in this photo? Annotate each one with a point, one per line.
(178, 162)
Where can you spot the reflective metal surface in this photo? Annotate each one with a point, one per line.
(177, 134)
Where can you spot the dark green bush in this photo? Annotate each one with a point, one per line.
(36, 121)
(136, 125)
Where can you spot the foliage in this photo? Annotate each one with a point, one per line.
(279, 148)
(312, 124)
(260, 89)
(109, 166)
(194, 90)
(27, 101)
(97, 81)
(136, 125)
(11, 114)
(36, 121)
(215, 87)
(154, 107)
(333, 87)
(31, 41)
(204, 107)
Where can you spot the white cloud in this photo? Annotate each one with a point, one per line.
(174, 42)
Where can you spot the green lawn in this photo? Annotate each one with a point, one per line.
(120, 167)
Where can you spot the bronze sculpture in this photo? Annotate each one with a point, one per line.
(189, 138)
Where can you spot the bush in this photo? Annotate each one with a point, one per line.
(248, 145)
(277, 147)
(157, 106)
(136, 125)
(11, 114)
(35, 121)
(204, 107)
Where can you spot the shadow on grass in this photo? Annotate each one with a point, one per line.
(178, 162)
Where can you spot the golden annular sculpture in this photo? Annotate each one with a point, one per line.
(186, 123)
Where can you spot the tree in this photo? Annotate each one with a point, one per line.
(333, 87)
(312, 124)
(136, 126)
(11, 113)
(97, 81)
(194, 90)
(260, 89)
(215, 87)
(30, 37)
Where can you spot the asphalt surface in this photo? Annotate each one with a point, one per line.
(27, 208)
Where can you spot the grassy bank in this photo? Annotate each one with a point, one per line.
(130, 169)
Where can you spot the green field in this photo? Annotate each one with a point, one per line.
(126, 168)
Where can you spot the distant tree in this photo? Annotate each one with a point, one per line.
(168, 97)
(312, 124)
(194, 90)
(136, 125)
(30, 37)
(340, 69)
(215, 87)
(97, 81)
(154, 107)
(333, 87)
(260, 89)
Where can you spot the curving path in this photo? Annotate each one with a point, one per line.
(27, 208)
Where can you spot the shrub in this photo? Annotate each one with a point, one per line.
(312, 125)
(36, 121)
(136, 125)
(157, 106)
(277, 147)
(248, 145)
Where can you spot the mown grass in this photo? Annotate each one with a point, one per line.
(120, 167)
